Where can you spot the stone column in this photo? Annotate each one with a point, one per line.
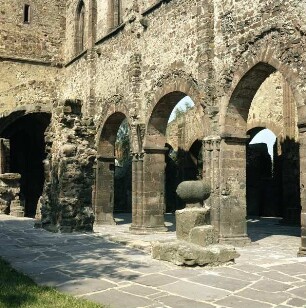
(149, 191)
(302, 141)
(233, 227)
(104, 199)
(211, 174)
(137, 192)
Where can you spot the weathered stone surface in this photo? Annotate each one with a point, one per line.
(203, 235)
(228, 58)
(184, 253)
(189, 218)
(10, 202)
(193, 191)
(10, 177)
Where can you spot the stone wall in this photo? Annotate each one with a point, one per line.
(41, 39)
(217, 52)
(23, 84)
(30, 53)
(111, 63)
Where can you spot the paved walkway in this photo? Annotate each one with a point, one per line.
(267, 274)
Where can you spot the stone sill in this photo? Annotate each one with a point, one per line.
(77, 57)
(30, 61)
(154, 7)
(111, 34)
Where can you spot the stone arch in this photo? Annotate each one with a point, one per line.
(115, 104)
(105, 169)
(108, 132)
(168, 91)
(149, 205)
(80, 39)
(7, 118)
(266, 124)
(233, 121)
(258, 68)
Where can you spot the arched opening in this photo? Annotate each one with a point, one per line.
(262, 99)
(167, 148)
(27, 152)
(114, 14)
(114, 172)
(80, 28)
(263, 178)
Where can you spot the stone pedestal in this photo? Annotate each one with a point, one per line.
(188, 254)
(203, 235)
(197, 239)
(17, 209)
(189, 218)
(9, 194)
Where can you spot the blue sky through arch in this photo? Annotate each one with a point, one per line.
(265, 136)
(182, 105)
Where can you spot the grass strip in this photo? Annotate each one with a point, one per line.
(18, 290)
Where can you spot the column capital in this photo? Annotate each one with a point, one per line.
(138, 156)
(212, 143)
(155, 150)
(302, 118)
(235, 139)
(104, 158)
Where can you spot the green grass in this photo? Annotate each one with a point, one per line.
(18, 290)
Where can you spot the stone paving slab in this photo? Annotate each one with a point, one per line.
(240, 302)
(265, 296)
(85, 286)
(224, 283)
(268, 273)
(178, 302)
(118, 299)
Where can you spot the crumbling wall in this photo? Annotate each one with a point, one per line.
(69, 171)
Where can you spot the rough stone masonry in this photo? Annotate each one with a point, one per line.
(72, 71)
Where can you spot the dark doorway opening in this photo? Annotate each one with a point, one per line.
(263, 186)
(27, 152)
(272, 177)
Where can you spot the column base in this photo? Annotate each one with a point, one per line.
(238, 241)
(17, 210)
(104, 222)
(302, 252)
(104, 219)
(148, 230)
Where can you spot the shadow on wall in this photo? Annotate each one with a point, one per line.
(181, 166)
(273, 187)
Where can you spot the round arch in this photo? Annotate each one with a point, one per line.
(14, 115)
(104, 193)
(169, 92)
(237, 99)
(233, 124)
